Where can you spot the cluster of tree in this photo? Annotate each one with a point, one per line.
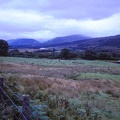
(53, 54)
(3, 48)
(34, 54)
(66, 54)
(91, 55)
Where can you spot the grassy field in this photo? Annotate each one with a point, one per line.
(79, 82)
(57, 62)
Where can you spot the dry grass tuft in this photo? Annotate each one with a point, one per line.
(68, 88)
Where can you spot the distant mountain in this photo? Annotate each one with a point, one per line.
(110, 43)
(65, 39)
(23, 43)
(73, 41)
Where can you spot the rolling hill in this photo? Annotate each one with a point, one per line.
(97, 44)
(32, 43)
(65, 39)
(23, 43)
(73, 41)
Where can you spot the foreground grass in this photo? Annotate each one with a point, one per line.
(78, 82)
(101, 95)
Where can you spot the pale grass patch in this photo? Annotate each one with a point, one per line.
(68, 88)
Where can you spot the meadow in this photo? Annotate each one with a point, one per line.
(79, 83)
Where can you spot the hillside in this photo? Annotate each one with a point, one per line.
(110, 43)
(65, 39)
(73, 41)
(23, 43)
(32, 43)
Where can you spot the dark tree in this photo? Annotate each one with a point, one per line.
(105, 56)
(89, 55)
(3, 48)
(64, 53)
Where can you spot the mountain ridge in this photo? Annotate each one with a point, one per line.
(63, 39)
(83, 44)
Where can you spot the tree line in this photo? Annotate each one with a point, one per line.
(64, 53)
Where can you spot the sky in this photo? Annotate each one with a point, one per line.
(46, 19)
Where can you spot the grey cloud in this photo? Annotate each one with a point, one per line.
(51, 18)
(77, 9)
(24, 5)
(96, 9)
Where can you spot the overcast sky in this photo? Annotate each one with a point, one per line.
(44, 19)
